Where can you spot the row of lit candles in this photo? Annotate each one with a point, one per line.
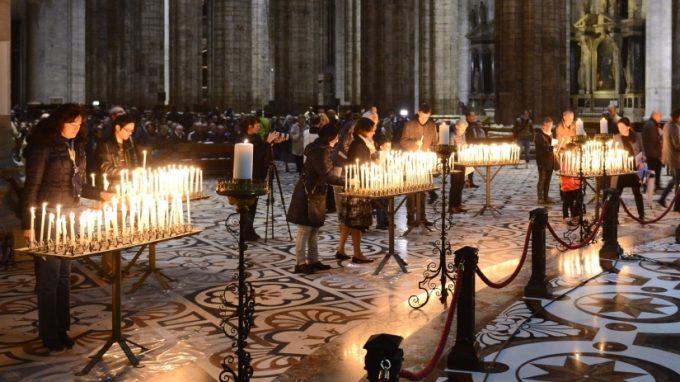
(395, 172)
(488, 154)
(170, 179)
(595, 158)
(122, 221)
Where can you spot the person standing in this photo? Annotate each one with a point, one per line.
(55, 174)
(652, 141)
(458, 175)
(523, 132)
(473, 134)
(545, 160)
(297, 133)
(118, 152)
(418, 135)
(671, 155)
(630, 141)
(613, 118)
(316, 175)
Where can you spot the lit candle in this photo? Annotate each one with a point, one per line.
(579, 127)
(72, 217)
(243, 160)
(106, 182)
(123, 209)
(32, 236)
(603, 126)
(58, 223)
(144, 159)
(188, 210)
(42, 223)
(81, 227)
(93, 178)
(49, 226)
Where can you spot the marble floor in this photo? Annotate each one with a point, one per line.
(313, 327)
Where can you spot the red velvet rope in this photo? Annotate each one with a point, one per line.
(416, 376)
(587, 240)
(519, 266)
(642, 221)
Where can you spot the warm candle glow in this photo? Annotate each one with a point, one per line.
(488, 154)
(596, 158)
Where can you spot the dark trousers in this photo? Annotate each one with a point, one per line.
(411, 209)
(672, 185)
(632, 181)
(54, 287)
(251, 215)
(572, 203)
(654, 164)
(457, 183)
(543, 186)
(299, 163)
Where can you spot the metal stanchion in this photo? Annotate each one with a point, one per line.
(611, 249)
(538, 285)
(463, 355)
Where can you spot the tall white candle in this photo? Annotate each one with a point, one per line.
(144, 159)
(42, 223)
(32, 237)
(603, 126)
(188, 210)
(58, 224)
(579, 127)
(106, 182)
(72, 217)
(443, 134)
(92, 176)
(243, 160)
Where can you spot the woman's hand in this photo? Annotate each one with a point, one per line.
(28, 235)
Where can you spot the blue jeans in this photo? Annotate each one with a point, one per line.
(526, 146)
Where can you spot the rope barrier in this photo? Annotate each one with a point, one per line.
(519, 266)
(416, 376)
(587, 240)
(642, 221)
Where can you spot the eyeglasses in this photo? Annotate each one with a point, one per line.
(129, 131)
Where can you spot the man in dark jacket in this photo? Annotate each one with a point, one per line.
(545, 159)
(523, 132)
(652, 138)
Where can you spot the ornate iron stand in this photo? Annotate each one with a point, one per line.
(242, 194)
(444, 270)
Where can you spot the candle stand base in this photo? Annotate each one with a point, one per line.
(443, 271)
(153, 270)
(238, 318)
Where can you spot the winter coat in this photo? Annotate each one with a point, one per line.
(414, 131)
(108, 157)
(671, 145)
(545, 157)
(50, 176)
(317, 173)
(651, 139)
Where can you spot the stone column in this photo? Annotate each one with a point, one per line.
(352, 49)
(658, 66)
(446, 56)
(676, 56)
(463, 52)
(186, 21)
(261, 89)
(5, 84)
(340, 59)
(531, 58)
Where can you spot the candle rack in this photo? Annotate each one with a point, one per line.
(442, 247)
(237, 319)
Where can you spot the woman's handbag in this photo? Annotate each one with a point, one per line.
(316, 206)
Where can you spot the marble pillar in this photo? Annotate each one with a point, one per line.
(5, 84)
(463, 52)
(676, 56)
(186, 31)
(658, 66)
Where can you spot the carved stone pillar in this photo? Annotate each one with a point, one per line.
(5, 83)
(676, 56)
(531, 58)
(658, 67)
(186, 21)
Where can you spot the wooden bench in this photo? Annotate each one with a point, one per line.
(213, 158)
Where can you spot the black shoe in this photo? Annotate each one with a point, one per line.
(66, 340)
(54, 346)
(303, 268)
(359, 260)
(342, 256)
(319, 266)
(433, 198)
(662, 203)
(474, 185)
(252, 236)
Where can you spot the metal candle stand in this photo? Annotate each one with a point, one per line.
(242, 194)
(444, 270)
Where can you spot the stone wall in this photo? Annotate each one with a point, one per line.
(186, 17)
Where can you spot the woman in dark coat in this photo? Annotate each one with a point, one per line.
(545, 160)
(356, 213)
(316, 174)
(55, 174)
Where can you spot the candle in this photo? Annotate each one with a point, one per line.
(106, 182)
(579, 127)
(188, 210)
(123, 209)
(144, 159)
(444, 134)
(93, 177)
(603, 126)
(49, 226)
(72, 217)
(32, 236)
(58, 224)
(82, 222)
(42, 223)
(243, 160)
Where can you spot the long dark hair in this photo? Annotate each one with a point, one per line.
(48, 130)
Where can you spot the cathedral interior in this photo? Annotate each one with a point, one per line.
(593, 317)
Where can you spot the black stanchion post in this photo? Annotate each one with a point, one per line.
(611, 249)
(383, 357)
(538, 285)
(463, 355)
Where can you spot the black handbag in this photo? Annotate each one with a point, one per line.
(316, 206)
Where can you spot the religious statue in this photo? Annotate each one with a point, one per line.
(585, 68)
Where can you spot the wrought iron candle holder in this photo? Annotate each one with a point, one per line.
(444, 271)
(238, 318)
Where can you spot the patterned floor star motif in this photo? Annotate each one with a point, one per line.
(632, 307)
(574, 369)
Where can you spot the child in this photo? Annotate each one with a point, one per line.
(572, 200)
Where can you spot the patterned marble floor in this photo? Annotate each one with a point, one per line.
(296, 315)
(607, 327)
